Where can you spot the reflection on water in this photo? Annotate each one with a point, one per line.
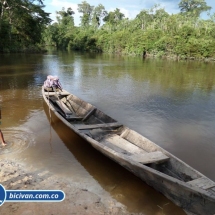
(171, 103)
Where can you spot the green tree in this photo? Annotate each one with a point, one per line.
(144, 18)
(194, 7)
(65, 17)
(98, 14)
(113, 18)
(23, 23)
(62, 31)
(86, 9)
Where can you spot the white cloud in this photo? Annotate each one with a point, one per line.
(170, 7)
(129, 13)
(66, 4)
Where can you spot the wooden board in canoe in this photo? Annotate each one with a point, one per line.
(179, 182)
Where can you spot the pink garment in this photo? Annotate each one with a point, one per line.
(52, 81)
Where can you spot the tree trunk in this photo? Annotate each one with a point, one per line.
(1, 16)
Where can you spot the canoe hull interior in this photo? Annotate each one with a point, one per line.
(179, 182)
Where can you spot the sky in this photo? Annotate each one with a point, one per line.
(128, 7)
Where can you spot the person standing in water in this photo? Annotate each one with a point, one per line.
(1, 134)
(2, 138)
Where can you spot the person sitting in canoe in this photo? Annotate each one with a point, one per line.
(52, 83)
(2, 139)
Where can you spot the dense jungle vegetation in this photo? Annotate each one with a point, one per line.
(152, 31)
(21, 25)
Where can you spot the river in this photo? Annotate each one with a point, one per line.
(171, 103)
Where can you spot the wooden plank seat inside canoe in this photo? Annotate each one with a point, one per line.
(136, 153)
(124, 144)
(202, 182)
(150, 157)
(67, 112)
(114, 147)
(63, 93)
(212, 190)
(94, 126)
(87, 116)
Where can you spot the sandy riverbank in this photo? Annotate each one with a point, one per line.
(79, 200)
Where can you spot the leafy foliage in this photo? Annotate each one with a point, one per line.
(194, 7)
(21, 24)
(153, 31)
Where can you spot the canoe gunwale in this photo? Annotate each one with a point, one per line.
(139, 169)
(97, 143)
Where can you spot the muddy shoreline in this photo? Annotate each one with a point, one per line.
(78, 199)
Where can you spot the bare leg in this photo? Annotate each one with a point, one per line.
(2, 138)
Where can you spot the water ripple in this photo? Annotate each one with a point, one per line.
(18, 140)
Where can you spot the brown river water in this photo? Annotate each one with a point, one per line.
(171, 103)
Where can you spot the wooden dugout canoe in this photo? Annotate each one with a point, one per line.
(179, 182)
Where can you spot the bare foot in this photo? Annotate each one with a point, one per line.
(4, 144)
